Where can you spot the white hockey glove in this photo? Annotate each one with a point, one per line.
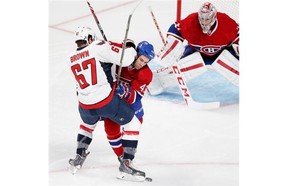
(236, 48)
(170, 52)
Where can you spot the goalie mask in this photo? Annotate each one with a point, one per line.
(146, 49)
(207, 16)
(83, 33)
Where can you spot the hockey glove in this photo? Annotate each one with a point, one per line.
(130, 43)
(123, 90)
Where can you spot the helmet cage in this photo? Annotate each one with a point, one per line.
(207, 16)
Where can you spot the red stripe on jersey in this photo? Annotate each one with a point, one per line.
(171, 48)
(86, 128)
(131, 132)
(227, 67)
(113, 137)
(191, 67)
(100, 103)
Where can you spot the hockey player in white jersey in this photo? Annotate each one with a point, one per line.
(93, 66)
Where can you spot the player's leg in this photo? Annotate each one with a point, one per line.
(113, 130)
(121, 113)
(84, 138)
(114, 136)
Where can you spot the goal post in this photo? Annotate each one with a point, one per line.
(178, 12)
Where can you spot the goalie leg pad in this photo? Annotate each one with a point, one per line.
(228, 66)
(192, 66)
(162, 78)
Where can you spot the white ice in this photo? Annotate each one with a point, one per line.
(177, 145)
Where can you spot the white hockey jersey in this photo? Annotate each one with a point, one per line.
(93, 88)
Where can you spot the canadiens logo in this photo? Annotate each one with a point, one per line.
(210, 49)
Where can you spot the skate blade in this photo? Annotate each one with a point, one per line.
(129, 177)
(73, 169)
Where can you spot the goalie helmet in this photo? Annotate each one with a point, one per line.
(207, 16)
(83, 33)
(146, 49)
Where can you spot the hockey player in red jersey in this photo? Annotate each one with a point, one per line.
(206, 31)
(206, 39)
(133, 82)
(93, 66)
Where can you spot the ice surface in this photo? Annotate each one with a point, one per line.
(177, 146)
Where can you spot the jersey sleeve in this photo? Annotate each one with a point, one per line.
(138, 85)
(111, 53)
(144, 77)
(174, 31)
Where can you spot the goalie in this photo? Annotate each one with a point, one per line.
(204, 39)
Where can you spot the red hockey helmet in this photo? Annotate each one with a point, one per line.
(207, 16)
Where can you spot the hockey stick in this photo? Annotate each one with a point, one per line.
(124, 44)
(125, 38)
(97, 21)
(156, 24)
(182, 83)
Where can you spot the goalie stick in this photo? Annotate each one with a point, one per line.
(181, 81)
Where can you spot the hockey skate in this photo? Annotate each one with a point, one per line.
(129, 173)
(76, 163)
(120, 158)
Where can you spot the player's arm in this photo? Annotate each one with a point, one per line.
(144, 77)
(134, 91)
(125, 92)
(109, 52)
(233, 46)
(174, 32)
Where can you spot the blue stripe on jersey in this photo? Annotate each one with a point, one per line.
(116, 143)
(174, 31)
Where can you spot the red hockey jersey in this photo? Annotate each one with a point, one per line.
(225, 31)
(138, 79)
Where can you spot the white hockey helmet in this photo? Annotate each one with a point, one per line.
(207, 16)
(82, 33)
